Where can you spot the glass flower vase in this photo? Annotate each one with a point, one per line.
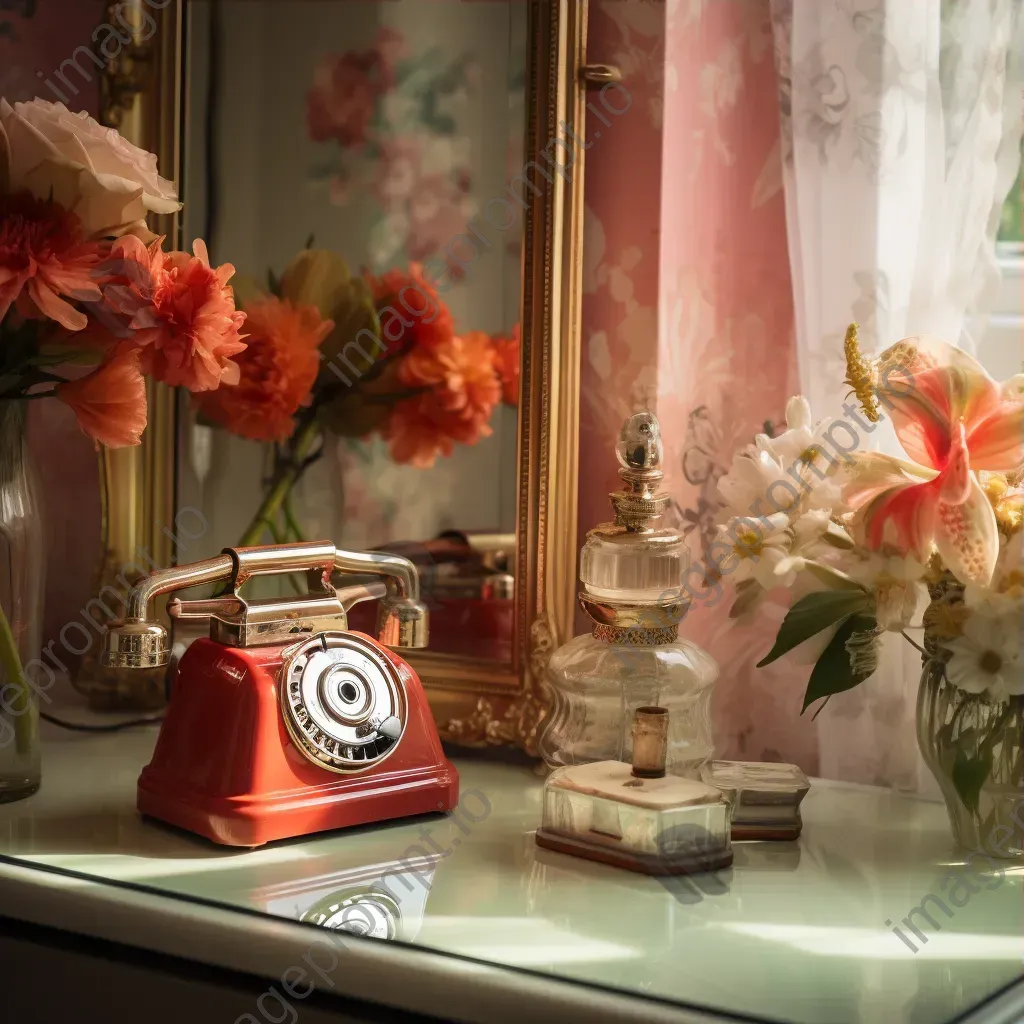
(974, 746)
(21, 606)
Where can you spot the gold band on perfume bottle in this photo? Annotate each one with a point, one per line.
(636, 636)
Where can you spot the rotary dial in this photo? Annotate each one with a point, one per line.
(343, 702)
(373, 914)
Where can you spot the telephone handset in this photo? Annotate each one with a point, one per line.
(283, 721)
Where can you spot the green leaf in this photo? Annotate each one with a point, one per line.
(833, 672)
(832, 578)
(812, 614)
(969, 775)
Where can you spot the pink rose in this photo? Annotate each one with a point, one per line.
(110, 184)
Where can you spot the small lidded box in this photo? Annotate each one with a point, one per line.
(765, 797)
(635, 816)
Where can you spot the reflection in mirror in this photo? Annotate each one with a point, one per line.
(352, 160)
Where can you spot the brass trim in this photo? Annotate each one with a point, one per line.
(597, 75)
(636, 636)
(140, 96)
(476, 703)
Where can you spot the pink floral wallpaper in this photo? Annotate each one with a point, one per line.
(386, 115)
(688, 305)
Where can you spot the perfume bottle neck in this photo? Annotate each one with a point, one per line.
(636, 636)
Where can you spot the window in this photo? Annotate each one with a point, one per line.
(1001, 348)
(1011, 230)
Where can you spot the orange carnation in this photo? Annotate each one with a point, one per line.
(463, 389)
(506, 361)
(412, 315)
(180, 311)
(110, 402)
(43, 257)
(277, 370)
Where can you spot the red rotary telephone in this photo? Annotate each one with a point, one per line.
(283, 722)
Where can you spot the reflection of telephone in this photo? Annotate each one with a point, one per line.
(282, 722)
(467, 581)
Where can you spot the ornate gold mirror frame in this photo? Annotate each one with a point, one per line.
(476, 703)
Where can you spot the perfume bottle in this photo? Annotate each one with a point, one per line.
(632, 576)
(635, 816)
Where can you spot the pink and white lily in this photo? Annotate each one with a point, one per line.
(952, 419)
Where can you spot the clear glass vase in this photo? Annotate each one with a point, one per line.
(974, 747)
(21, 607)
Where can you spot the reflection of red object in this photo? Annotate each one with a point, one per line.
(468, 626)
(466, 584)
(226, 767)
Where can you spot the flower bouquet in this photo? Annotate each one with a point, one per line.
(90, 305)
(871, 543)
(352, 355)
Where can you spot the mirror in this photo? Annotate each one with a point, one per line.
(410, 173)
(352, 160)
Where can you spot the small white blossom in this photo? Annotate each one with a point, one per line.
(986, 657)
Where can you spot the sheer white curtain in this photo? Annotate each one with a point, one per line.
(901, 128)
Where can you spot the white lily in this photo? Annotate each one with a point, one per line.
(756, 547)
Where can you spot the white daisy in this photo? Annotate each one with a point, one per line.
(986, 658)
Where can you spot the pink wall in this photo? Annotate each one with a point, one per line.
(622, 239)
(688, 305)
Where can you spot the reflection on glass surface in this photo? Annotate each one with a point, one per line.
(380, 139)
(379, 901)
(795, 932)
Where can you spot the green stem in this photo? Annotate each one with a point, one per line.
(291, 521)
(286, 476)
(24, 725)
(913, 643)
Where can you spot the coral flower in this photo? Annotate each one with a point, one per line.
(277, 371)
(43, 257)
(179, 310)
(110, 402)
(952, 419)
(412, 316)
(461, 390)
(506, 361)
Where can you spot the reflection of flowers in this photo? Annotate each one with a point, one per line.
(413, 315)
(507, 363)
(355, 356)
(277, 371)
(460, 386)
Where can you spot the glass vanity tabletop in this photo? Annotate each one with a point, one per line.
(794, 932)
